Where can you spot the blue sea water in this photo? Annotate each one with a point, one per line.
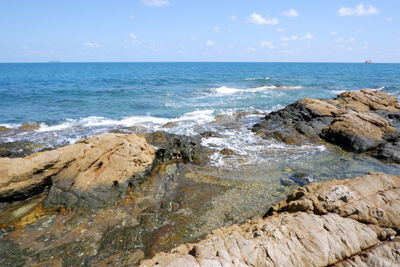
(71, 101)
(54, 92)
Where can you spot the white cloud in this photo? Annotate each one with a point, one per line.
(131, 16)
(133, 36)
(216, 29)
(267, 44)
(290, 13)
(333, 33)
(156, 3)
(252, 49)
(258, 19)
(209, 43)
(359, 10)
(390, 19)
(233, 17)
(92, 45)
(280, 29)
(345, 41)
(307, 36)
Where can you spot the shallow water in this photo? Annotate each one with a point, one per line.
(71, 101)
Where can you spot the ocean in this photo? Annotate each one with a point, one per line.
(71, 101)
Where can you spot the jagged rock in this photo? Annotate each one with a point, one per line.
(18, 149)
(178, 148)
(91, 173)
(367, 100)
(301, 178)
(335, 223)
(4, 129)
(359, 132)
(390, 152)
(354, 121)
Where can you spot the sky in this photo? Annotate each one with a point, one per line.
(199, 30)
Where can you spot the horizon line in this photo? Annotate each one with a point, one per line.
(58, 62)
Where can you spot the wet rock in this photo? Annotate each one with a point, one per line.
(171, 124)
(305, 117)
(209, 134)
(301, 178)
(390, 152)
(92, 173)
(227, 152)
(359, 132)
(351, 222)
(4, 129)
(287, 182)
(354, 121)
(18, 149)
(178, 148)
(28, 126)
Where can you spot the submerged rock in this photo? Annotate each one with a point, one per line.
(92, 173)
(178, 148)
(18, 149)
(351, 222)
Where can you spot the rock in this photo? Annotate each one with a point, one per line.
(390, 152)
(178, 148)
(287, 182)
(335, 223)
(367, 100)
(171, 124)
(18, 149)
(301, 178)
(4, 129)
(354, 121)
(209, 134)
(227, 152)
(359, 132)
(89, 174)
(306, 117)
(28, 126)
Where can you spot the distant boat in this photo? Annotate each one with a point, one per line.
(368, 62)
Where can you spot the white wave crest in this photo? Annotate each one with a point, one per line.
(199, 116)
(10, 125)
(258, 79)
(224, 90)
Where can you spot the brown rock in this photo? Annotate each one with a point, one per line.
(355, 121)
(367, 101)
(90, 173)
(359, 132)
(335, 223)
(319, 108)
(4, 129)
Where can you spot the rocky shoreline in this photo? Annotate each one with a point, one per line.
(127, 199)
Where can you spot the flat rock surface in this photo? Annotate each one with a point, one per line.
(350, 222)
(94, 170)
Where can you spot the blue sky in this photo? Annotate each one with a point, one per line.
(199, 30)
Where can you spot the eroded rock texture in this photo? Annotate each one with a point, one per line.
(355, 121)
(91, 173)
(337, 223)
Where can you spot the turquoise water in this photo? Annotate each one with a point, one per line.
(71, 101)
(53, 92)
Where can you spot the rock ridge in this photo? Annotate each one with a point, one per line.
(351, 222)
(355, 121)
